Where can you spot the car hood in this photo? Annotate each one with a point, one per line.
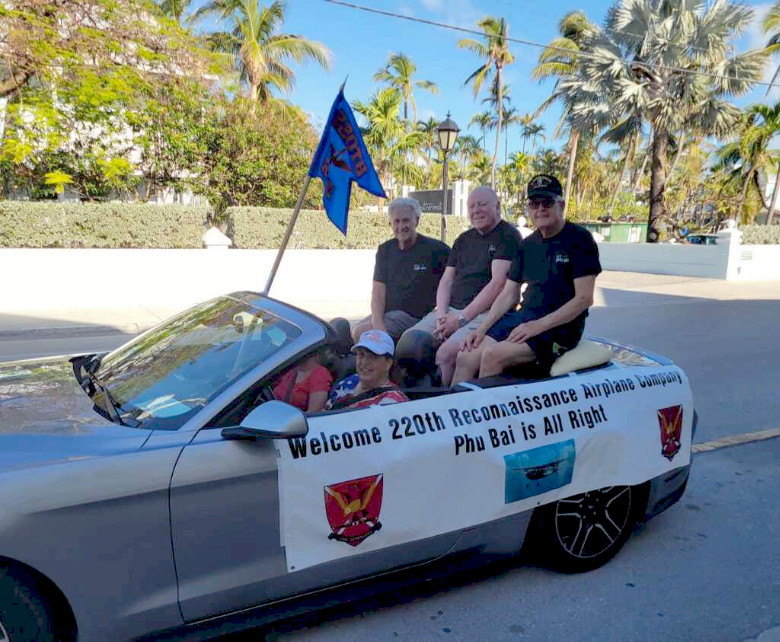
(46, 417)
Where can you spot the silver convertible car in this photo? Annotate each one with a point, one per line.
(160, 491)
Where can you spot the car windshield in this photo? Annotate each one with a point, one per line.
(167, 375)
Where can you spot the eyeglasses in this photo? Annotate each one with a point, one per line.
(546, 203)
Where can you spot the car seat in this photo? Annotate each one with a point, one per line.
(416, 357)
(340, 361)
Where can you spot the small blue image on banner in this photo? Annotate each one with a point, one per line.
(341, 158)
(536, 471)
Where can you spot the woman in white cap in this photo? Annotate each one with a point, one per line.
(371, 384)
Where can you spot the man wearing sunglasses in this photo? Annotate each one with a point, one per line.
(559, 263)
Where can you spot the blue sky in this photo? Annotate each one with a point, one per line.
(361, 43)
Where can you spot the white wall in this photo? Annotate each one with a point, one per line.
(759, 262)
(729, 259)
(706, 261)
(332, 281)
(45, 279)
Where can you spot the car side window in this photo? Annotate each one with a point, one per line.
(235, 412)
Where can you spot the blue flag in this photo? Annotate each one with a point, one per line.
(341, 158)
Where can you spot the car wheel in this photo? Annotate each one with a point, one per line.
(583, 532)
(25, 613)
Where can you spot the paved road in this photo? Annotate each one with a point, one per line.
(729, 349)
(706, 570)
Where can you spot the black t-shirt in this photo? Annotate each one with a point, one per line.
(550, 265)
(472, 254)
(412, 275)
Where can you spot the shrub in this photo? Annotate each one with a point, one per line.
(100, 225)
(760, 234)
(264, 227)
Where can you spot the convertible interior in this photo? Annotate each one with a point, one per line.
(419, 376)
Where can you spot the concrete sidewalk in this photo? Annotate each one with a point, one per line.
(614, 289)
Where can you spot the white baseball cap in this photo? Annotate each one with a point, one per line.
(376, 341)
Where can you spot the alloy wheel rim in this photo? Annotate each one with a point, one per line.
(3, 633)
(589, 524)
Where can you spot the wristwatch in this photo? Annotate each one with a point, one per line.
(461, 320)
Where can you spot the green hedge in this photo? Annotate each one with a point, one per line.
(264, 227)
(104, 225)
(761, 234)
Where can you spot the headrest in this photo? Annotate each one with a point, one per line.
(587, 354)
(340, 335)
(415, 351)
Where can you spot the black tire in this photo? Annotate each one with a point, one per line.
(583, 532)
(25, 613)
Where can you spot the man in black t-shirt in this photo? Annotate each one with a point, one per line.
(559, 263)
(475, 275)
(406, 273)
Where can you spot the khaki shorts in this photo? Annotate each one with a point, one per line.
(428, 324)
(396, 322)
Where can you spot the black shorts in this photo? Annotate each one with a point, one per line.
(547, 346)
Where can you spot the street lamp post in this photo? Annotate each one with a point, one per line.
(447, 131)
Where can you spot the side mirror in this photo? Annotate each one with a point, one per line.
(274, 419)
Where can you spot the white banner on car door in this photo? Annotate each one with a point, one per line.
(385, 475)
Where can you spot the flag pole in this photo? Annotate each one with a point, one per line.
(287, 235)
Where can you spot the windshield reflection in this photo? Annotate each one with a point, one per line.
(167, 375)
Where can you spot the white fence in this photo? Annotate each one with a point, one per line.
(729, 259)
(330, 280)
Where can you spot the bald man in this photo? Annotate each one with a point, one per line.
(475, 275)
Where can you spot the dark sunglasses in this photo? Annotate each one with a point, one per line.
(546, 203)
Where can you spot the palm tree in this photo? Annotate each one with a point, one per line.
(559, 61)
(496, 56)
(680, 71)
(750, 152)
(388, 138)
(771, 25)
(261, 52)
(485, 121)
(533, 131)
(398, 73)
(519, 165)
(428, 128)
(511, 117)
(174, 9)
(466, 148)
(548, 161)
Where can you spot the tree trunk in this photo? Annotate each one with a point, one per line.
(657, 180)
(574, 140)
(626, 161)
(3, 112)
(498, 128)
(760, 191)
(743, 194)
(638, 178)
(775, 193)
(678, 153)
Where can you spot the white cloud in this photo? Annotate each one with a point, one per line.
(406, 10)
(459, 13)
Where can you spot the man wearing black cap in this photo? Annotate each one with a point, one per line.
(559, 263)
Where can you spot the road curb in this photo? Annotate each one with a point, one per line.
(736, 440)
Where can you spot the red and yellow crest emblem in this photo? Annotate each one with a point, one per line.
(670, 422)
(352, 508)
